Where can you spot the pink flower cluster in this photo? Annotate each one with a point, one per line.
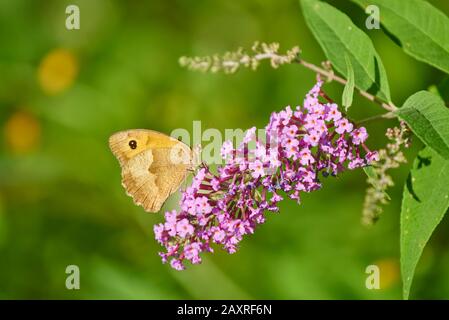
(220, 208)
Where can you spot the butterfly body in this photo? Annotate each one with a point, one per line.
(153, 164)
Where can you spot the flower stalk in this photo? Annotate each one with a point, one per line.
(231, 62)
(390, 157)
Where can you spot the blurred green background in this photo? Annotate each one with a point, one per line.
(62, 93)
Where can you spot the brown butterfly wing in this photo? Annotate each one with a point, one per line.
(168, 178)
(151, 174)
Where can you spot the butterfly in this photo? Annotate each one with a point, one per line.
(153, 164)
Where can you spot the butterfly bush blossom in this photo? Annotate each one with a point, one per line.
(220, 208)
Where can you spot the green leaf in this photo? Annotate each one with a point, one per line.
(370, 173)
(348, 91)
(424, 203)
(428, 117)
(338, 37)
(421, 29)
(373, 178)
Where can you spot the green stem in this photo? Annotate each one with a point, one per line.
(388, 115)
(331, 76)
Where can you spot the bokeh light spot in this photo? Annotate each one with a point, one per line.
(22, 132)
(57, 71)
(389, 272)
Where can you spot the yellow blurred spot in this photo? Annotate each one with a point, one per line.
(22, 132)
(57, 71)
(389, 272)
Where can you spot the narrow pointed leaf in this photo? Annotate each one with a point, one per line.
(338, 37)
(373, 178)
(348, 91)
(419, 28)
(428, 117)
(424, 203)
